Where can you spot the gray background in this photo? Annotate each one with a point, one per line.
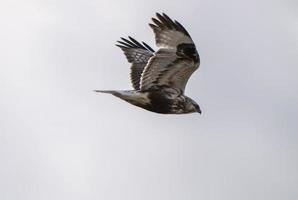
(60, 140)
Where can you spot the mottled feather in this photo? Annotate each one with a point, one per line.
(159, 78)
(138, 54)
(175, 60)
(168, 33)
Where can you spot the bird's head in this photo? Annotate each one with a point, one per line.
(192, 106)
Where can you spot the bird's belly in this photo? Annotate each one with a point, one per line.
(160, 103)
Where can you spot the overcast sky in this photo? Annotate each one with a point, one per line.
(59, 140)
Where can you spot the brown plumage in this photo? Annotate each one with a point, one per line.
(159, 78)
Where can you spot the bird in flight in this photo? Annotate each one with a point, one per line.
(159, 77)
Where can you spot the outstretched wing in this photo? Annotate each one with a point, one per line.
(138, 54)
(176, 58)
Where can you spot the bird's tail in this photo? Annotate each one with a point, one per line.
(123, 94)
(106, 91)
(131, 96)
(117, 93)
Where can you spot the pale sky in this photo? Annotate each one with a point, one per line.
(59, 140)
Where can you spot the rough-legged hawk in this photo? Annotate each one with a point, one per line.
(159, 77)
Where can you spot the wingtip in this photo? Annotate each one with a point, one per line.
(120, 46)
(153, 26)
(158, 14)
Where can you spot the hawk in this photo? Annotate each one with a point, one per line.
(159, 77)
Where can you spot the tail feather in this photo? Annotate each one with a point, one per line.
(131, 96)
(116, 93)
(106, 91)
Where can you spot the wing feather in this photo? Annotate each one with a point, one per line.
(166, 69)
(138, 54)
(169, 33)
(176, 58)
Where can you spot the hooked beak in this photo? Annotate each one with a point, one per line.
(198, 109)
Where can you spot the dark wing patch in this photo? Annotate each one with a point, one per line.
(138, 54)
(188, 51)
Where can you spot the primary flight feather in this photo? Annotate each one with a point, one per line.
(159, 77)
